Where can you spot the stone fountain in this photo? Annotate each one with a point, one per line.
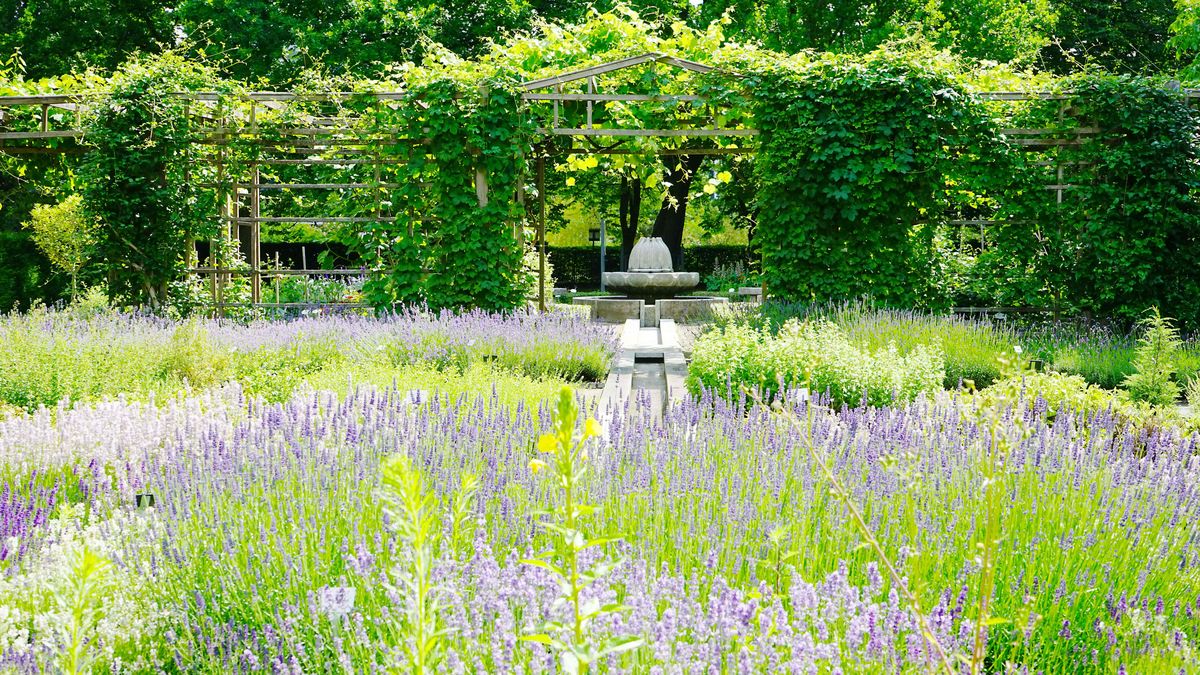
(651, 289)
(651, 276)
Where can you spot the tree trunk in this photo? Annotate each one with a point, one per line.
(669, 223)
(630, 213)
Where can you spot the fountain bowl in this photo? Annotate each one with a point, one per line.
(651, 286)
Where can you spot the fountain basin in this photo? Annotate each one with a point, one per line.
(619, 309)
(651, 286)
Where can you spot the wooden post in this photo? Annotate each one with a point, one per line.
(255, 238)
(481, 186)
(255, 212)
(762, 274)
(591, 90)
(541, 229)
(213, 261)
(557, 90)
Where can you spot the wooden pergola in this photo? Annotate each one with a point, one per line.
(569, 110)
(558, 94)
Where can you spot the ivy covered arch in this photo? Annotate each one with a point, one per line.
(437, 178)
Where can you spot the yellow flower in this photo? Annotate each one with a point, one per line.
(548, 443)
(536, 465)
(592, 428)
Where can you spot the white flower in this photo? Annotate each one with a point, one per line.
(1017, 348)
(336, 601)
(696, 3)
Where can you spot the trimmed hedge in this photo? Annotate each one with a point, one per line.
(579, 266)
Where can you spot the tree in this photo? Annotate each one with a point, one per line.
(65, 233)
(58, 36)
(1119, 36)
(679, 173)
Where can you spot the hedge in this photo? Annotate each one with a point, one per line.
(579, 266)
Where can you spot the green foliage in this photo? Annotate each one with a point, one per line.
(90, 582)
(853, 164)
(276, 373)
(733, 275)
(1191, 391)
(969, 347)
(1134, 216)
(1103, 366)
(454, 241)
(1130, 36)
(284, 43)
(566, 466)
(531, 264)
(133, 178)
(191, 357)
(1089, 404)
(817, 355)
(1154, 364)
(1185, 37)
(43, 362)
(1125, 234)
(1096, 352)
(54, 38)
(65, 233)
(49, 356)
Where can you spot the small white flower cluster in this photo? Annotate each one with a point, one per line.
(38, 602)
(113, 432)
(336, 602)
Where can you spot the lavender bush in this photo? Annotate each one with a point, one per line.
(268, 549)
(50, 355)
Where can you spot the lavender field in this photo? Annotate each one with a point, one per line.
(371, 530)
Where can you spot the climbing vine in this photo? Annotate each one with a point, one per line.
(135, 179)
(1129, 223)
(854, 163)
(456, 237)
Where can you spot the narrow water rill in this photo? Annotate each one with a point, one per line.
(649, 364)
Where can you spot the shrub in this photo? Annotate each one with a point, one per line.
(731, 276)
(969, 347)
(1102, 365)
(1052, 394)
(1155, 363)
(193, 359)
(1191, 391)
(51, 355)
(819, 355)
